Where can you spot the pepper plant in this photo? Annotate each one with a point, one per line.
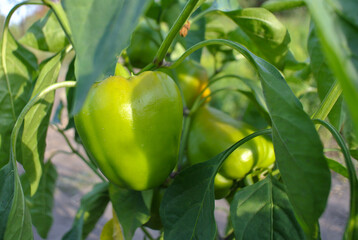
(142, 84)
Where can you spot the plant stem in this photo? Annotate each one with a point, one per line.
(146, 233)
(87, 162)
(178, 24)
(328, 102)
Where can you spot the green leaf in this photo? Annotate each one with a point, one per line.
(45, 34)
(263, 211)
(337, 28)
(17, 225)
(105, 27)
(354, 153)
(7, 185)
(187, 208)
(337, 167)
(130, 208)
(298, 149)
(36, 123)
(323, 76)
(42, 201)
(16, 76)
(280, 5)
(265, 31)
(92, 207)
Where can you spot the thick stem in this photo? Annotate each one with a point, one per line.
(178, 24)
(328, 102)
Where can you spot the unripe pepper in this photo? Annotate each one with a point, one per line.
(132, 128)
(192, 78)
(213, 131)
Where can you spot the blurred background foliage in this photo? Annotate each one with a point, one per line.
(232, 102)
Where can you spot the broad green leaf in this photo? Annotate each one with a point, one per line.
(336, 27)
(42, 201)
(7, 185)
(187, 208)
(92, 207)
(18, 224)
(36, 123)
(46, 34)
(238, 35)
(16, 76)
(337, 167)
(105, 27)
(259, 30)
(298, 149)
(130, 209)
(268, 34)
(323, 76)
(263, 211)
(280, 5)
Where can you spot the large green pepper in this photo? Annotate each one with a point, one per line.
(132, 128)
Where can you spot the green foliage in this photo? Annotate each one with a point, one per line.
(130, 208)
(17, 69)
(105, 27)
(46, 34)
(255, 73)
(323, 76)
(269, 211)
(336, 27)
(36, 123)
(92, 207)
(42, 201)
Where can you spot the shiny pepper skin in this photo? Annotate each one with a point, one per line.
(132, 128)
(212, 132)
